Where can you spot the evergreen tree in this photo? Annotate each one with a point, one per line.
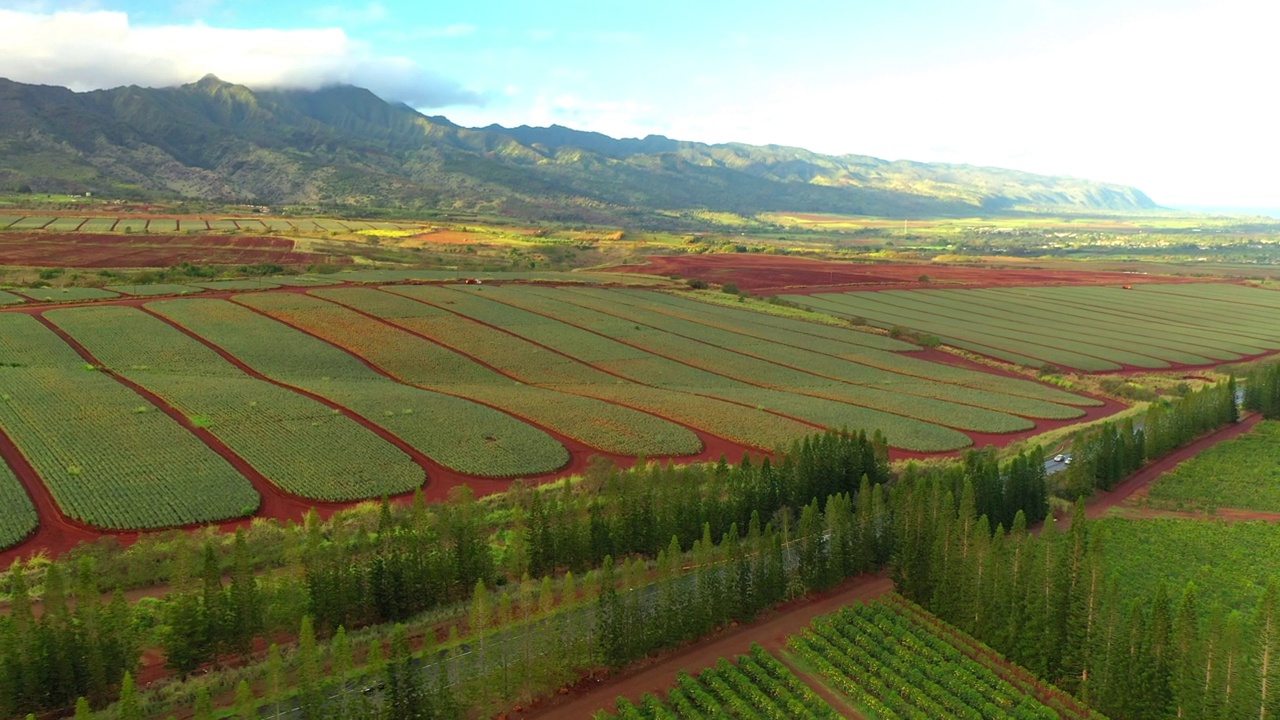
(83, 711)
(128, 707)
(246, 703)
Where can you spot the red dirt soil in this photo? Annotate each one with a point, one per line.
(57, 533)
(87, 250)
(660, 675)
(773, 274)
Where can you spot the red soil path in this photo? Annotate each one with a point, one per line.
(772, 274)
(660, 675)
(89, 250)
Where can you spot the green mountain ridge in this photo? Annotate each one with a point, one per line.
(344, 146)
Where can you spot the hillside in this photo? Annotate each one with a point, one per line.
(344, 146)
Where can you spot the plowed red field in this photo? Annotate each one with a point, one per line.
(86, 250)
(769, 274)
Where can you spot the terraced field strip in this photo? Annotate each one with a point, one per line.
(449, 324)
(416, 360)
(30, 222)
(890, 666)
(11, 299)
(67, 294)
(971, 336)
(251, 225)
(256, 284)
(802, 334)
(328, 225)
(65, 224)
(957, 304)
(162, 225)
(710, 349)
(98, 225)
(131, 225)
(846, 381)
(193, 225)
(462, 436)
(1072, 318)
(7, 220)
(736, 380)
(1012, 329)
(223, 225)
(1243, 322)
(299, 444)
(1219, 323)
(18, 518)
(279, 225)
(156, 289)
(854, 364)
(109, 457)
(752, 686)
(305, 280)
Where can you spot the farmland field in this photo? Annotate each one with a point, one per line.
(8, 298)
(409, 358)
(156, 289)
(1229, 562)
(461, 435)
(110, 458)
(19, 517)
(67, 294)
(299, 444)
(1088, 328)
(752, 686)
(97, 250)
(1241, 473)
(890, 664)
(474, 325)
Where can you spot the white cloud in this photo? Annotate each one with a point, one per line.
(90, 50)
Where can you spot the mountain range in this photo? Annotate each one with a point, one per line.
(343, 146)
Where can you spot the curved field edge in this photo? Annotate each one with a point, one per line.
(299, 444)
(18, 518)
(108, 455)
(451, 431)
(599, 423)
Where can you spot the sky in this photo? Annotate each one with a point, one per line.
(1175, 97)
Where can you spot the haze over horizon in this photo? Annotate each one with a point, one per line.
(1165, 96)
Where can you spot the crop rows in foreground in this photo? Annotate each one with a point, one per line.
(886, 659)
(183, 411)
(1087, 328)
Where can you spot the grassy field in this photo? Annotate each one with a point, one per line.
(1241, 473)
(1085, 328)
(66, 294)
(19, 518)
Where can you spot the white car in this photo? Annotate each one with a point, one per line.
(1059, 457)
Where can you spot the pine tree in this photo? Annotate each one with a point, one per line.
(83, 711)
(128, 707)
(309, 672)
(204, 705)
(246, 703)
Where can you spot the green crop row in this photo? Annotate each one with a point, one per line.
(10, 298)
(459, 434)
(753, 687)
(415, 360)
(600, 424)
(1075, 317)
(18, 517)
(823, 358)
(1240, 473)
(68, 294)
(258, 284)
(98, 225)
(728, 375)
(1229, 562)
(1235, 326)
(473, 331)
(949, 305)
(299, 444)
(109, 457)
(892, 667)
(897, 307)
(64, 224)
(156, 289)
(832, 341)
